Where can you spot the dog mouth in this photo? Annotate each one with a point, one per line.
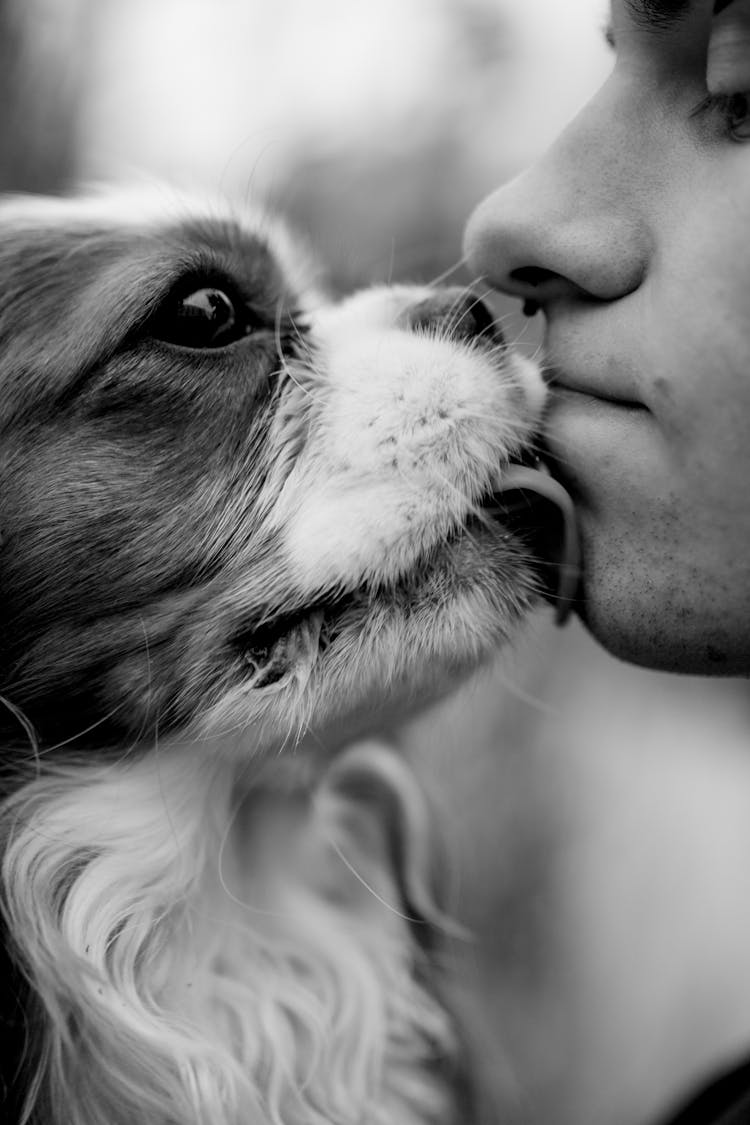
(523, 500)
(528, 501)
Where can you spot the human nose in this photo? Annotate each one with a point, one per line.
(572, 226)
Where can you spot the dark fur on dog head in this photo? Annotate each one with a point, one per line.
(117, 529)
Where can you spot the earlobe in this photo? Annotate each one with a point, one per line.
(728, 68)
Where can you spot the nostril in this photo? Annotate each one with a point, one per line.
(533, 276)
(455, 313)
(537, 285)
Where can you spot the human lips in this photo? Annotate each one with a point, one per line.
(562, 394)
(592, 436)
(585, 422)
(602, 384)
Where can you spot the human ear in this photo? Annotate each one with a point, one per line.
(728, 69)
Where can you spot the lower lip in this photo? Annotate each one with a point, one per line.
(572, 411)
(585, 431)
(570, 396)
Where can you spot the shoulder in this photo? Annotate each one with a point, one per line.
(725, 1100)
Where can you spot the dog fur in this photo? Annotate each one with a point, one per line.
(229, 548)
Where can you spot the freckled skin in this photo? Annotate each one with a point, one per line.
(632, 234)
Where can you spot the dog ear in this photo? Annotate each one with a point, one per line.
(378, 783)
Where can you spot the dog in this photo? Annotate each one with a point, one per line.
(240, 524)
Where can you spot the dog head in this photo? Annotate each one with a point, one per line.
(226, 503)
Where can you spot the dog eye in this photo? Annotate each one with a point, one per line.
(205, 317)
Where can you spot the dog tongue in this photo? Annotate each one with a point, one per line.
(532, 501)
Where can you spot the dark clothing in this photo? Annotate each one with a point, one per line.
(726, 1101)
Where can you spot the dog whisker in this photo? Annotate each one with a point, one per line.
(441, 278)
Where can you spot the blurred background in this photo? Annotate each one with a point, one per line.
(599, 814)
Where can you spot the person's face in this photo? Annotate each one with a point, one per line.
(633, 234)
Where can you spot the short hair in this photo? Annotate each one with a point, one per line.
(659, 12)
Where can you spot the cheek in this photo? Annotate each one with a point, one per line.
(698, 379)
(700, 403)
(98, 528)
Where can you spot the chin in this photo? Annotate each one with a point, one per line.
(240, 524)
(665, 622)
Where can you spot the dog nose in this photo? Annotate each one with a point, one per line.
(456, 313)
